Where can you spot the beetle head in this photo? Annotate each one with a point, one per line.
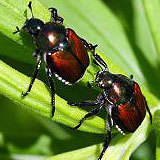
(104, 79)
(33, 26)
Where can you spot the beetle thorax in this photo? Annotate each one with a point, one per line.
(120, 92)
(50, 36)
(104, 79)
(116, 92)
(117, 89)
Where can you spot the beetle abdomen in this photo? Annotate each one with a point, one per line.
(78, 48)
(65, 66)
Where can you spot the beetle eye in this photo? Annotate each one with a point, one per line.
(106, 83)
(104, 79)
(109, 82)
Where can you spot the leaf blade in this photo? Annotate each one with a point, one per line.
(12, 85)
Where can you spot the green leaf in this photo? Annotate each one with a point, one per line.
(152, 10)
(12, 83)
(88, 153)
(157, 144)
(121, 147)
(156, 125)
(156, 120)
(92, 30)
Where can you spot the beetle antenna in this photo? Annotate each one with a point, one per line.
(17, 30)
(131, 76)
(30, 7)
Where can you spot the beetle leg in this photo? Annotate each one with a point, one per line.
(39, 59)
(51, 83)
(148, 110)
(99, 60)
(98, 101)
(92, 48)
(54, 15)
(88, 115)
(84, 104)
(108, 136)
(96, 63)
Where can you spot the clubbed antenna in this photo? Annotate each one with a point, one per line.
(30, 7)
(17, 30)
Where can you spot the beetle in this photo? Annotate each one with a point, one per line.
(122, 97)
(65, 53)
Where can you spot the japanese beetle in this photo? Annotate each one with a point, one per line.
(122, 97)
(65, 53)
